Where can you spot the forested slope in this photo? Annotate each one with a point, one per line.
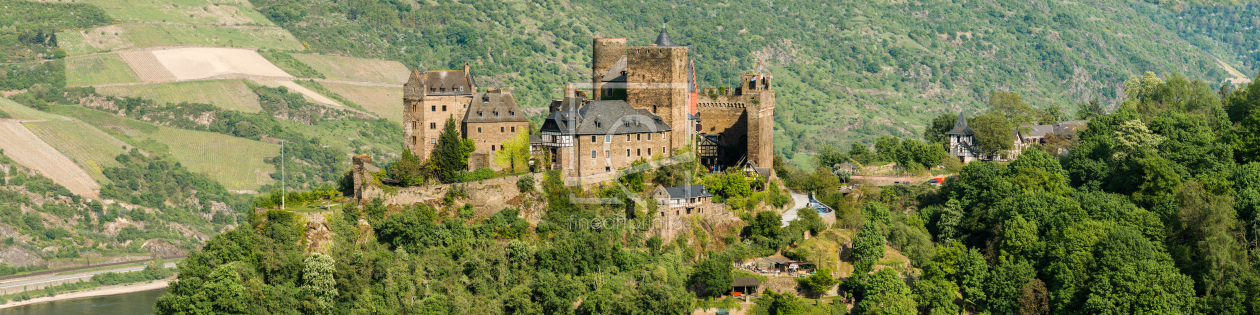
(864, 68)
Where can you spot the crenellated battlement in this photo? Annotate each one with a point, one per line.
(723, 104)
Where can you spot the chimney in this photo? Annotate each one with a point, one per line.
(569, 90)
(469, 77)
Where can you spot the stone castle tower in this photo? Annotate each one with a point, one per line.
(653, 78)
(660, 78)
(429, 99)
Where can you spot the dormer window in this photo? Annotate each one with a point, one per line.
(479, 113)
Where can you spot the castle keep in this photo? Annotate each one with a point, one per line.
(726, 127)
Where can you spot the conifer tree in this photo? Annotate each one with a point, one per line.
(450, 157)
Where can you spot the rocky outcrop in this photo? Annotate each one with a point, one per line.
(19, 256)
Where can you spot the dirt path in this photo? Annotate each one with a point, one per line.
(101, 291)
(27, 149)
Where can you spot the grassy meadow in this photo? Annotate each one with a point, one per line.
(19, 111)
(138, 35)
(98, 70)
(226, 94)
(203, 12)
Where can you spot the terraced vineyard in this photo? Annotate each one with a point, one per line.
(147, 66)
(88, 147)
(226, 94)
(237, 163)
(98, 69)
(385, 102)
(357, 69)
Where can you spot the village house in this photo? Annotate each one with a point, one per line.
(682, 200)
(963, 145)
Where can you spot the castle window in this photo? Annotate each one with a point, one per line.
(433, 140)
(653, 109)
(663, 150)
(649, 151)
(500, 128)
(491, 147)
(479, 113)
(638, 152)
(513, 128)
(444, 108)
(478, 129)
(511, 112)
(607, 153)
(649, 137)
(638, 137)
(432, 125)
(627, 152)
(662, 213)
(433, 108)
(592, 154)
(627, 138)
(592, 139)
(607, 138)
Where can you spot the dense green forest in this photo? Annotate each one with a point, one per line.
(56, 225)
(1228, 31)
(854, 70)
(1153, 209)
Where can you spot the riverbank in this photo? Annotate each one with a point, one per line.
(99, 291)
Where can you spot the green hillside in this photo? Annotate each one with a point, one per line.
(857, 69)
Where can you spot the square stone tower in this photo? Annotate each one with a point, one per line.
(429, 99)
(656, 81)
(760, 113)
(606, 54)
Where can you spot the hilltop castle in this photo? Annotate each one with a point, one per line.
(644, 102)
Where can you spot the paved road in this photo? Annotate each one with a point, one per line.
(76, 276)
(799, 201)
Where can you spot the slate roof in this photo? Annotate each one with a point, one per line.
(1039, 131)
(614, 117)
(448, 82)
(745, 282)
(561, 121)
(960, 126)
(493, 108)
(687, 192)
(662, 40)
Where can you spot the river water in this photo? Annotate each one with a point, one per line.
(137, 303)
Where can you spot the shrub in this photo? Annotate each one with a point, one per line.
(525, 184)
